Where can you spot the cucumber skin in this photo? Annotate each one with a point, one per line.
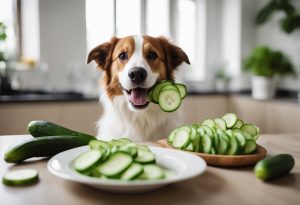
(274, 167)
(44, 147)
(40, 128)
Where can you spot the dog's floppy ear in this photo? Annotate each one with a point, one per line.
(174, 55)
(102, 54)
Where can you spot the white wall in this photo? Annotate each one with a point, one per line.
(270, 34)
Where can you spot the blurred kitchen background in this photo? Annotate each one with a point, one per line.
(245, 58)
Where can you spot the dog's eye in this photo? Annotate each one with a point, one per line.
(152, 55)
(123, 56)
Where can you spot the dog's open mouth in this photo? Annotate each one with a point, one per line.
(138, 97)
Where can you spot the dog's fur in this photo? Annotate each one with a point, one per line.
(122, 118)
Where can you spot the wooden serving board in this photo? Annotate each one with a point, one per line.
(226, 160)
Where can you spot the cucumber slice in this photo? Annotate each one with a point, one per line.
(150, 96)
(239, 123)
(169, 100)
(193, 133)
(250, 147)
(102, 146)
(220, 123)
(87, 160)
(117, 143)
(132, 172)
(229, 132)
(230, 119)
(125, 140)
(145, 156)
(168, 87)
(246, 135)
(208, 122)
(152, 171)
(20, 177)
(190, 147)
(182, 90)
(181, 139)
(201, 131)
(130, 148)
(212, 151)
(196, 142)
(251, 129)
(172, 135)
(116, 164)
(223, 145)
(207, 143)
(241, 139)
(144, 147)
(234, 146)
(207, 130)
(156, 90)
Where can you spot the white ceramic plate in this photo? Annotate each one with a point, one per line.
(184, 166)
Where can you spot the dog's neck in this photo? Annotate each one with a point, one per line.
(144, 125)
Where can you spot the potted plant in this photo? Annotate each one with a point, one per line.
(265, 63)
(222, 80)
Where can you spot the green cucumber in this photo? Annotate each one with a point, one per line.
(132, 172)
(144, 156)
(181, 139)
(156, 90)
(207, 143)
(274, 167)
(116, 164)
(252, 130)
(152, 171)
(182, 90)
(220, 123)
(234, 146)
(239, 123)
(20, 177)
(168, 87)
(44, 147)
(40, 128)
(250, 147)
(190, 147)
(87, 160)
(223, 145)
(169, 100)
(208, 122)
(230, 119)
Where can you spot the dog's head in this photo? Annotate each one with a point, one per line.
(132, 65)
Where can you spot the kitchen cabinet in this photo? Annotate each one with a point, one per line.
(273, 116)
(80, 116)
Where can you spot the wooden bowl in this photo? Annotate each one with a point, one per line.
(226, 160)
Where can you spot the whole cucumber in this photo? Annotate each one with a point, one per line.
(44, 147)
(275, 166)
(40, 128)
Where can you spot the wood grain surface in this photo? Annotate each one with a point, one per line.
(218, 185)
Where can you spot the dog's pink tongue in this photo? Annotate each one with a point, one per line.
(138, 96)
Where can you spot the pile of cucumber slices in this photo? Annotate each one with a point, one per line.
(228, 135)
(168, 95)
(119, 159)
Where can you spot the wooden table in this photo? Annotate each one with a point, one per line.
(216, 186)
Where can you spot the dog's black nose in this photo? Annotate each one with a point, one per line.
(137, 75)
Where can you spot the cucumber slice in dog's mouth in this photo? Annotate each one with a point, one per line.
(138, 97)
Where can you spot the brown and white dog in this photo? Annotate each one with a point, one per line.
(132, 65)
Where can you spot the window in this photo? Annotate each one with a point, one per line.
(177, 20)
(158, 18)
(8, 16)
(99, 22)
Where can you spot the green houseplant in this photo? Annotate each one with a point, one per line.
(265, 63)
(222, 80)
